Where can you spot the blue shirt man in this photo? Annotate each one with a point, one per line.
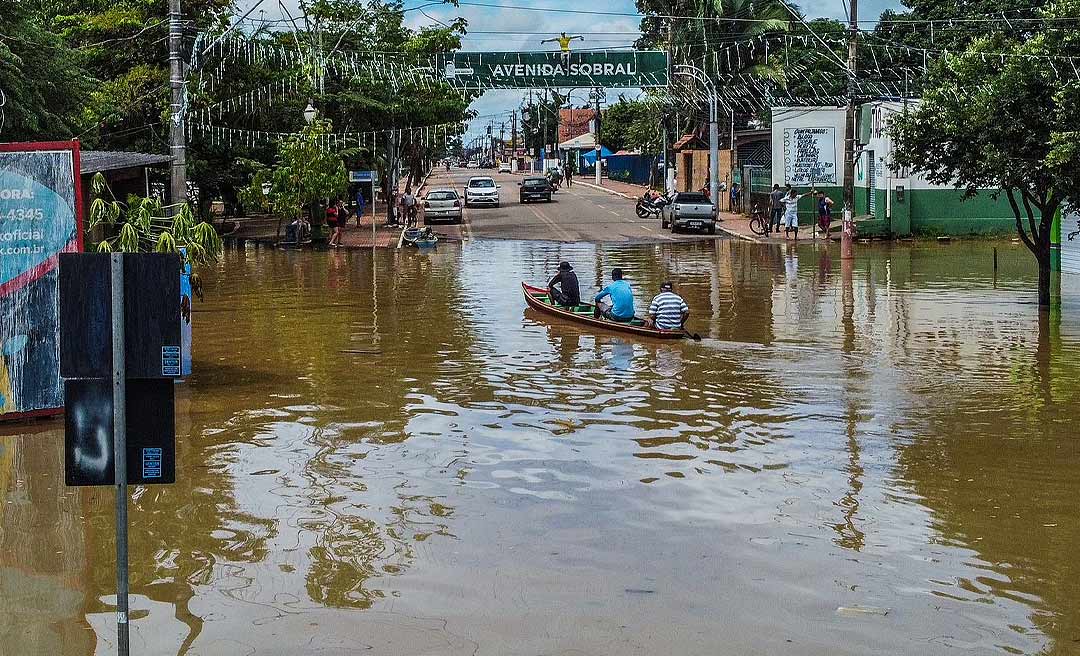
(622, 299)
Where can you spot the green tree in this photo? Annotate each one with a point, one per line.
(632, 124)
(306, 172)
(1002, 113)
(42, 80)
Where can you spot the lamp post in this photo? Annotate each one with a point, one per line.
(699, 75)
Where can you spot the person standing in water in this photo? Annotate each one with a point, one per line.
(791, 213)
(824, 207)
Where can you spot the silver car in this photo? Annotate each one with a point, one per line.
(442, 205)
(481, 191)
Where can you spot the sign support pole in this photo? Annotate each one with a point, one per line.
(119, 390)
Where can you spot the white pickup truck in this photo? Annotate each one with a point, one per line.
(689, 210)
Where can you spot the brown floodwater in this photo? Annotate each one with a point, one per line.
(389, 454)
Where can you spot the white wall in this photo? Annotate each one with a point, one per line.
(785, 118)
(1070, 248)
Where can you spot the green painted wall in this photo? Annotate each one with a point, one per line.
(945, 212)
(931, 212)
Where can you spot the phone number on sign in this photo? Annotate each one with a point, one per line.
(23, 214)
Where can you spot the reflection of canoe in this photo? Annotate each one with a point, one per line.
(537, 298)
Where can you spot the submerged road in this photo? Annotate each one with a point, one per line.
(579, 213)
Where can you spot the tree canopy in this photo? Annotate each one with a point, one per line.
(1001, 112)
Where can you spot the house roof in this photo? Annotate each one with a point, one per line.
(97, 161)
(689, 142)
(579, 142)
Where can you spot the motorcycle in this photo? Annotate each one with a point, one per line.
(651, 206)
(554, 179)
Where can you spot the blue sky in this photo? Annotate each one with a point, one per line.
(523, 30)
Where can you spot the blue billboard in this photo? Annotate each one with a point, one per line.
(40, 217)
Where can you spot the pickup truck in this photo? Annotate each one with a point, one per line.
(689, 210)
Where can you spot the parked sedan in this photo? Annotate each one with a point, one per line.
(535, 189)
(481, 191)
(442, 205)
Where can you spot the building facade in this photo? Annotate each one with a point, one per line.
(808, 151)
(575, 122)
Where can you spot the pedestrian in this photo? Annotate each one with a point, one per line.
(735, 193)
(621, 306)
(361, 205)
(776, 207)
(668, 310)
(824, 205)
(333, 224)
(569, 173)
(408, 203)
(791, 213)
(343, 214)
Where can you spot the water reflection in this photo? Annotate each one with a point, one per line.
(391, 452)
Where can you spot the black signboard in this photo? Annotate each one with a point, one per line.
(151, 315)
(151, 451)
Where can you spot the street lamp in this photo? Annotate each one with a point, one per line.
(699, 75)
(310, 113)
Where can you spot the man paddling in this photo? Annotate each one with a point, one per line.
(567, 293)
(621, 308)
(668, 310)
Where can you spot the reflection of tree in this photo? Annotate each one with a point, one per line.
(995, 462)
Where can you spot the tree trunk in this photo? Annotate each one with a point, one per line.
(1044, 281)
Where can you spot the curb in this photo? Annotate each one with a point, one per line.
(732, 233)
(610, 191)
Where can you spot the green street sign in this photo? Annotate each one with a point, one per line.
(531, 70)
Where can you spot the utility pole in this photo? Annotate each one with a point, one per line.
(177, 136)
(847, 232)
(596, 137)
(543, 138)
(714, 150)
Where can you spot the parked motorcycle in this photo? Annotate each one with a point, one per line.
(650, 205)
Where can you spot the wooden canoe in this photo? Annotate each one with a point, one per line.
(537, 298)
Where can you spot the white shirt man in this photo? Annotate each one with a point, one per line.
(668, 310)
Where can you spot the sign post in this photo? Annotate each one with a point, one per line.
(120, 354)
(119, 403)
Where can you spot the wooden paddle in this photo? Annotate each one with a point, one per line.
(694, 336)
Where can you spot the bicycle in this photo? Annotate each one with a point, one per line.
(759, 223)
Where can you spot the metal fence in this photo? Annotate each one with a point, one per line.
(637, 169)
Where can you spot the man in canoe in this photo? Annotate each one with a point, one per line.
(567, 293)
(668, 310)
(621, 307)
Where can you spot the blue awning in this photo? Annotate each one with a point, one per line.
(590, 155)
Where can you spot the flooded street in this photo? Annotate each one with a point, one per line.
(389, 454)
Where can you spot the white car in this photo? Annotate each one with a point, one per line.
(481, 191)
(504, 167)
(442, 205)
